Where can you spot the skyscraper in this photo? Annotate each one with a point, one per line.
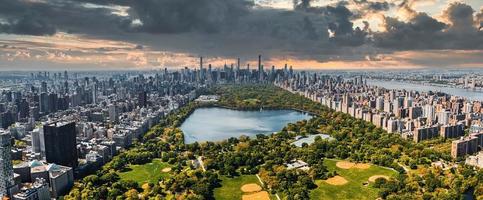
(44, 102)
(60, 145)
(260, 68)
(113, 114)
(6, 167)
(142, 99)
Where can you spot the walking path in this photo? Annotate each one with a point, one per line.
(200, 160)
(261, 182)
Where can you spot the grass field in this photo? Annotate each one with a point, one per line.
(230, 189)
(354, 189)
(149, 172)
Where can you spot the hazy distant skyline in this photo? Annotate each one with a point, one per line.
(151, 34)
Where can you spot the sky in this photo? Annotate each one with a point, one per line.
(306, 34)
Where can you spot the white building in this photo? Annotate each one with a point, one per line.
(476, 160)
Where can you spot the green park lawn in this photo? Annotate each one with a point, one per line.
(149, 172)
(354, 189)
(230, 187)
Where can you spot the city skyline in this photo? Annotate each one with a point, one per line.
(106, 128)
(347, 35)
(241, 99)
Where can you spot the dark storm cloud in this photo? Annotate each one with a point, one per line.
(424, 32)
(28, 24)
(231, 27)
(461, 17)
(45, 18)
(174, 16)
(372, 6)
(421, 32)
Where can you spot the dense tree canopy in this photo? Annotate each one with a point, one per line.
(266, 155)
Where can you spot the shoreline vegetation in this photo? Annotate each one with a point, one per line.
(266, 155)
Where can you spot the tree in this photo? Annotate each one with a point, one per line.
(132, 194)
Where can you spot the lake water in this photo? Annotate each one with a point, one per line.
(468, 93)
(217, 124)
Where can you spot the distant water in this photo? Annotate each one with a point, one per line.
(216, 124)
(467, 93)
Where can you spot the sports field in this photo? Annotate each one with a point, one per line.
(246, 187)
(149, 172)
(351, 183)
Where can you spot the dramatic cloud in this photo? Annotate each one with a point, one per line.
(461, 18)
(308, 30)
(33, 17)
(174, 16)
(28, 25)
(424, 32)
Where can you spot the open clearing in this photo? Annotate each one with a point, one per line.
(355, 177)
(167, 169)
(231, 187)
(350, 165)
(263, 195)
(252, 187)
(147, 173)
(336, 180)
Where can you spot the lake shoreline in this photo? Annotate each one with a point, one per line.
(216, 105)
(215, 123)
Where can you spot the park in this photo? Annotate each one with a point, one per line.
(353, 181)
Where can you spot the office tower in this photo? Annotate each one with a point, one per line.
(142, 99)
(260, 68)
(23, 109)
(6, 166)
(210, 75)
(6, 119)
(94, 93)
(113, 115)
(34, 112)
(43, 87)
(36, 140)
(44, 102)
(238, 65)
(201, 69)
(66, 87)
(201, 63)
(60, 146)
(53, 106)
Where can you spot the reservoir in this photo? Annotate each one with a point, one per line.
(216, 124)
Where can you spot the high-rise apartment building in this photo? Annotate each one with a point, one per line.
(6, 166)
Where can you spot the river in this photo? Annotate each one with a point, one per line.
(467, 93)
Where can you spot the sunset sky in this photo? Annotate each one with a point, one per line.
(154, 34)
